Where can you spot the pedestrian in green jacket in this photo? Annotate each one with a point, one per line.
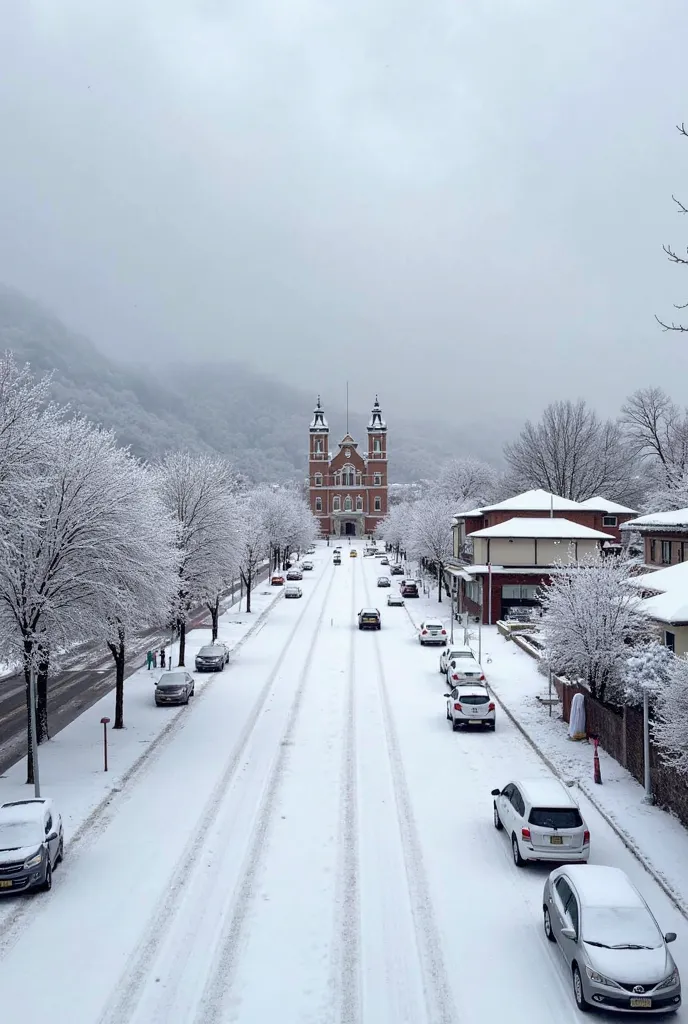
(149, 660)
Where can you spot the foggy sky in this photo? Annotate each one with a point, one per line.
(458, 203)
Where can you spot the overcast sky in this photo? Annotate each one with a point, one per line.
(457, 202)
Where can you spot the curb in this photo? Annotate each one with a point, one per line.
(625, 838)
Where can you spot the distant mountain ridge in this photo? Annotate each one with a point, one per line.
(259, 423)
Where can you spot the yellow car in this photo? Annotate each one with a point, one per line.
(353, 553)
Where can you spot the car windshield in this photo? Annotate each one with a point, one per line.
(621, 928)
(460, 654)
(433, 625)
(171, 679)
(16, 834)
(210, 652)
(556, 817)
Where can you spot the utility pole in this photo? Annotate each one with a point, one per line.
(34, 738)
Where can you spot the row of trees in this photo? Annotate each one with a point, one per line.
(96, 546)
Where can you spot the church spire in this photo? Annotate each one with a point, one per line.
(319, 423)
(376, 421)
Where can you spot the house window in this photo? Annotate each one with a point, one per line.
(670, 641)
(666, 552)
(609, 520)
(348, 476)
(336, 503)
(520, 593)
(377, 479)
(359, 479)
(653, 550)
(347, 504)
(337, 479)
(318, 479)
(318, 504)
(378, 505)
(359, 504)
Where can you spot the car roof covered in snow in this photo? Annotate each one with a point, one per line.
(604, 886)
(546, 792)
(24, 810)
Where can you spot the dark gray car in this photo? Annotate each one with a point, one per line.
(611, 942)
(212, 658)
(174, 687)
(31, 844)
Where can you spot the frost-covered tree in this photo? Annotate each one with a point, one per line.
(198, 491)
(396, 528)
(670, 714)
(26, 417)
(657, 432)
(592, 622)
(572, 453)
(431, 533)
(254, 541)
(673, 495)
(647, 670)
(467, 482)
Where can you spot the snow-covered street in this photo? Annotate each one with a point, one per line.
(313, 845)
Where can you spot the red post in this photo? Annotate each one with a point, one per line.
(104, 723)
(597, 773)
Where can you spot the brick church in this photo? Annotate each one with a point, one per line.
(348, 490)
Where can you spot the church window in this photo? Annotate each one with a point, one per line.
(336, 503)
(318, 447)
(377, 445)
(359, 504)
(318, 479)
(348, 476)
(377, 479)
(378, 505)
(318, 504)
(347, 504)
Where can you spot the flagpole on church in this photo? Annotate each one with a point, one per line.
(347, 407)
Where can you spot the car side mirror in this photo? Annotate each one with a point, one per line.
(496, 792)
(568, 933)
(53, 836)
(447, 695)
(452, 664)
(670, 937)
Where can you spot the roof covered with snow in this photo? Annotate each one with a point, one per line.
(670, 604)
(604, 886)
(542, 527)
(537, 500)
(601, 504)
(676, 520)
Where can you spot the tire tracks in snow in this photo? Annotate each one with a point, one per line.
(346, 953)
(211, 1005)
(440, 1007)
(125, 995)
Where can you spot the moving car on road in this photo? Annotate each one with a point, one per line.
(337, 560)
(384, 561)
(383, 581)
(470, 704)
(294, 574)
(395, 600)
(431, 631)
(293, 590)
(542, 821)
(174, 687)
(31, 844)
(306, 566)
(369, 618)
(615, 950)
(212, 658)
(353, 553)
(409, 588)
(397, 570)
(277, 580)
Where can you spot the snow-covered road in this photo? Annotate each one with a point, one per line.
(314, 845)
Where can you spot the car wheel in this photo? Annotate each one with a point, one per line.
(448, 715)
(455, 725)
(492, 725)
(48, 883)
(60, 852)
(495, 817)
(578, 994)
(547, 924)
(193, 690)
(516, 853)
(187, 698)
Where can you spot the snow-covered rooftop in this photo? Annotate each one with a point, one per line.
(676, 520)
(537, 500)
(671, 603)
(541, 527)
(601, 504)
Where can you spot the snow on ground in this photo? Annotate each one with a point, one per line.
(312, 844)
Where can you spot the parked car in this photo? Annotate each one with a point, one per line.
(307, 566)
(465, 669)
(338, 548)
(397, 570)
(470, 704)
(383, 581)
(610, 940)
(369, 618)
(337, 560)
(212, 658)
(409, 589)
(353, 553)
(542, 820)
(395, 600)
(431, 631)
(310, 550)
(294, 574)
(31, 845)
(277, 580)
(384, 561)
(293, 590)
(453, 653)
(174, 687)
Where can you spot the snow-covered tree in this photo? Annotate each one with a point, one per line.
(648, 669)
(254, 541)
(574, 454)
(397, 526)
(468, 482)
(670, 715)
(592, 622)
(198, 492)
(657, 431)
(431, 533)
(26, 417)
(669, 496)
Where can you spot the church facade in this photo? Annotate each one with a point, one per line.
(347, 489)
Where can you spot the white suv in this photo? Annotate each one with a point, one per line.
(464, 669)
(432, 632)
(542, 821)
(470, 704)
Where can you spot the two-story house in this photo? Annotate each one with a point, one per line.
(664, 595)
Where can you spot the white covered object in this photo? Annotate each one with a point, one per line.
(577, 719)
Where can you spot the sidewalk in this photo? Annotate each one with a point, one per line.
(655, 836)
(71, 764)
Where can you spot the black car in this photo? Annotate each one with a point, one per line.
(369, 618)
(383, 581)
(397, 570)
(212, 658)
(336, 560)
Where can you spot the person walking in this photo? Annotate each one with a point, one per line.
(149, 660)
(155, 659)
(162, 657)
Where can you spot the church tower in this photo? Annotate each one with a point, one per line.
(377, 468)
(319, 467)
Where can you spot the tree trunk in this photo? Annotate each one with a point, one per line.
(117, 650)
(214, 609)
(181, 626)
(42, 732)
(440, 574)
(28, 654)
(248, 582)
